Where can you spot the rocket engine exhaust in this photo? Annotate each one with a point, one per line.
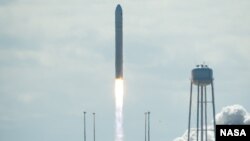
(119, 91)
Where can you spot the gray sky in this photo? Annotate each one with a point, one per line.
(57, 59)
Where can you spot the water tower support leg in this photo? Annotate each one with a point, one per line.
(212, 86)
(201, 102)
(198, 106)
(205, 112)
(190, 107)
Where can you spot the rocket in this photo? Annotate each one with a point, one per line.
(118, 43)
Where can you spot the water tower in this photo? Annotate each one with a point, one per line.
(202, 78)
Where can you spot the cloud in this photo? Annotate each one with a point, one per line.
(229, 115)
(210, 136)
(234, 114)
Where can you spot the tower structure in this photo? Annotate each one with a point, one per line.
(202, 78)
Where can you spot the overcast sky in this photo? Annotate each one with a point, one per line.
(57, 60)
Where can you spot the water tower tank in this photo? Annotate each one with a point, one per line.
(202, 75)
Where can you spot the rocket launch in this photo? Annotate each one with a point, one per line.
(119, 90)
(118, 43)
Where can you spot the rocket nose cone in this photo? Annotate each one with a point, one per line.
(118, 8)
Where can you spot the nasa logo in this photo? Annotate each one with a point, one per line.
(234, 132)
(230, 132)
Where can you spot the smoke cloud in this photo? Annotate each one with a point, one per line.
(210, 136)
(229, 115)
(235, 114)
